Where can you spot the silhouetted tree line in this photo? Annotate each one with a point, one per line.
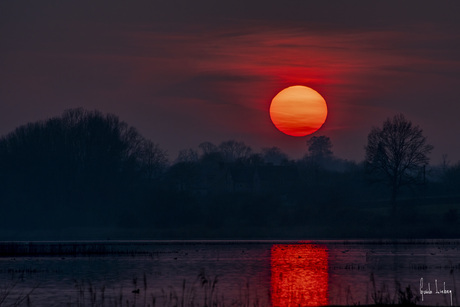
(88, 170)
(82, 168)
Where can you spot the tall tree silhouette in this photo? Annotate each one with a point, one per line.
(319, 146)
(233, 150)
(208, 148)
(80, 165)
(397, 154)
(274, 155)
(319, 151)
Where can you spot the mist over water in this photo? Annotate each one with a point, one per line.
(265, 273)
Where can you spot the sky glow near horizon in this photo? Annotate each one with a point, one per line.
(183, 74)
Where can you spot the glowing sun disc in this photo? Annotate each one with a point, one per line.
(298, 110)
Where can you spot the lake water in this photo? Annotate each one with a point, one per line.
(242, 273)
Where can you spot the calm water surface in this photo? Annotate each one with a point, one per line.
(264, 273)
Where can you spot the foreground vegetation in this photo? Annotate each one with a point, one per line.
(204, 291)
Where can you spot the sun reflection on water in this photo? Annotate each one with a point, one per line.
(299, 275)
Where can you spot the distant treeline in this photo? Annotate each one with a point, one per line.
(87, 171)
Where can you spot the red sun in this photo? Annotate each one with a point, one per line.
(298, 110)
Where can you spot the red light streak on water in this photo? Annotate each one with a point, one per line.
(299, 275)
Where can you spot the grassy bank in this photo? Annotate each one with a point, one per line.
(204, 291)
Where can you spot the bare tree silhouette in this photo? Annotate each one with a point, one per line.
(397, 154)
(319, 146)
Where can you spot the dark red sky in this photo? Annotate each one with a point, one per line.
(184, 72)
